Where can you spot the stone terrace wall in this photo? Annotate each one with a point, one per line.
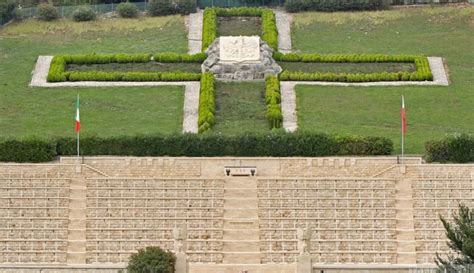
(357, 207)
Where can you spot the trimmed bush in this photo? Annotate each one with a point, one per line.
(185, 7)
(422, 73)
(127, 10)
(171, 57)
(151, 260)
(273, 100)
(273, 144)
(209, 27)
(57, 71)
(29, 150)
(83, 14)
(7, 11)
(269, 29)
(161, 7)
(333, 5)
(207, 104)
(47, 12)
(459, 149)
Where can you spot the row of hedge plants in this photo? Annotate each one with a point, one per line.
(7, 11)
(58, 68)
(334, 5)
(273, 144)
(207, 103)
(422, 73)
(210, 24)
(171, 57)
(354, 77)
(273, 101)
(169, 7)
(458, 149)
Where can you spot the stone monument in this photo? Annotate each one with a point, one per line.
(240, 58)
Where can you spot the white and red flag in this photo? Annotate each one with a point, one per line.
(404, 117)
(78, 120)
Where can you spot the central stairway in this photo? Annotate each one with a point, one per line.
(241, 232)
(241, 227)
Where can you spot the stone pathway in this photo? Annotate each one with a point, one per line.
(191, 107)
(194, 24)
(283, 22)
(288, 106)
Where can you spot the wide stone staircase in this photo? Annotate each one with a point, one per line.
(241, 232)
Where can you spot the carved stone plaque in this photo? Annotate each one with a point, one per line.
(239, 49)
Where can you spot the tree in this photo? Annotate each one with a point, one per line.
(151, 260)
(460, 234)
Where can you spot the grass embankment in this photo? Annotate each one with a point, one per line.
(432, 111)
(240, 107)
(47, 112)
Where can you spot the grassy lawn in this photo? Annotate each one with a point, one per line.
(44, 112)
(432, 112)
(240, 107)
(138, 67)
(239, 26)
(347, 67)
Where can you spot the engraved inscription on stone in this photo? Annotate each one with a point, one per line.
(239, 49)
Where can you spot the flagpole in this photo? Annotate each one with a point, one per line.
(78, 132)
(402, 129)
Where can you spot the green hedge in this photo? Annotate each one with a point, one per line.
(422, 73)
(7, 11)
(273, 101)
(171, 57)
(458, 149)
(334, 5)
(57, 71)
(207, 103)
(273, 144)
(269, 29)
(28, 150)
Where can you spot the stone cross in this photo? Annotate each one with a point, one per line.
(180, 236)
(304, 240)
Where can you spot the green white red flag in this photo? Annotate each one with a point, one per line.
(404, 117)
(78, 120)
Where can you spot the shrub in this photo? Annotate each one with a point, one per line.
(269, 29)
(7, 11)
(47, 12)
(29, 150)
(209, 27)
(458, 149)
(83, 14)
(172, 57)
(161, 7)
(151, 260)
(207, 105)
(422, 73)
(273, 144)
(185, 6)
(273, 99)
(127, 10)
(333, 5)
